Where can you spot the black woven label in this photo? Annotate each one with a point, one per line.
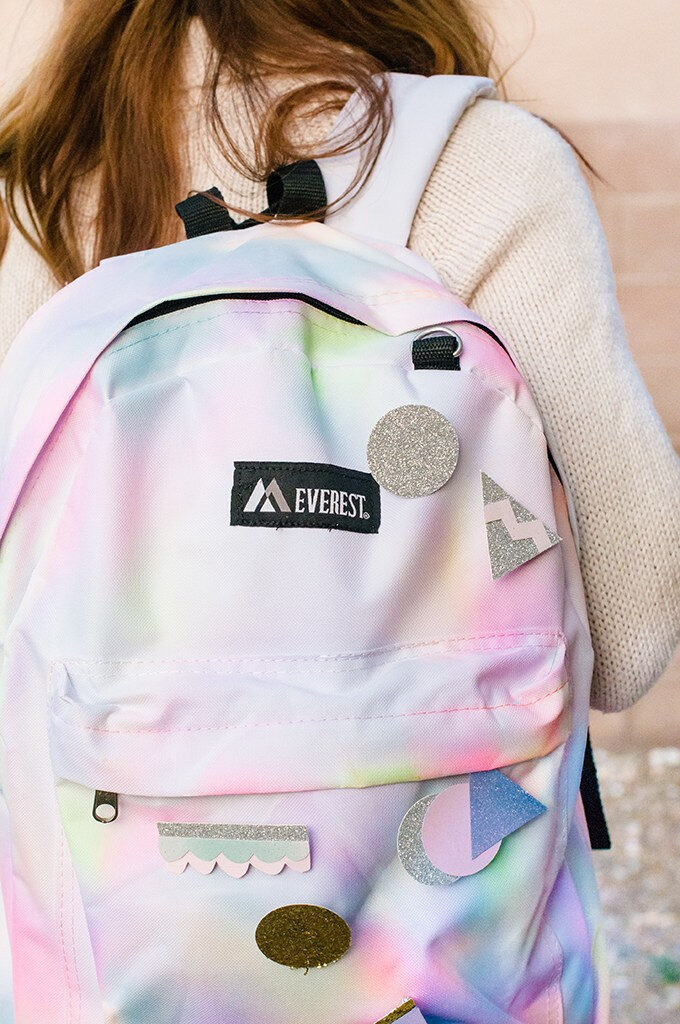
(309, 494)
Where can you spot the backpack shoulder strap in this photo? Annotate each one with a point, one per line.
(425, 112)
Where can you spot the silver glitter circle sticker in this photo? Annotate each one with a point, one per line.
(411, 850)
(412, 450)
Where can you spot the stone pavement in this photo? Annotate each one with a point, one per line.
(640, 883)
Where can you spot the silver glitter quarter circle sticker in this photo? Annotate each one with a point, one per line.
(412, 451)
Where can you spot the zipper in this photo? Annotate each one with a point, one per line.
(492, 334)
(173, 305)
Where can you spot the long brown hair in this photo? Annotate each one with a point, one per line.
(105, 97)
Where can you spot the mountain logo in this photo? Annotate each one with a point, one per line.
(267, 499)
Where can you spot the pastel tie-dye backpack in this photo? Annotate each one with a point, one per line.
(296, 661)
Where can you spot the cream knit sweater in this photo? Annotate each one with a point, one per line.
(508, 221)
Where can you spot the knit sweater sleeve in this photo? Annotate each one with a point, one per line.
(26, 282)
(509, 222)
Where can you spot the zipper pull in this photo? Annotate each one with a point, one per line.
(105, 807)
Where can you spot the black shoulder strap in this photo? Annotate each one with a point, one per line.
(296, 190)
(592, 802)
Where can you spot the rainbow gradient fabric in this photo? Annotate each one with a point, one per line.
(317, 680)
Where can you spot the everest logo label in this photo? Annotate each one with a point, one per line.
(304, 494)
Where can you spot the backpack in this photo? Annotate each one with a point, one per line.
(295, 654)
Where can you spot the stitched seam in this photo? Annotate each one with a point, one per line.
(73, 945)
(251, 313)
(404, 363)
(312, 658)
(401, 294)
(374, 300)
(362, 526)
(302, 467)
(312, 520)
(314, 721)
(481, 377)
(45, 453)
(61, 910)
(62, 937)
(555, 988)
(280, 668)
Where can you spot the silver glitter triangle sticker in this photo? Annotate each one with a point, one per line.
(513, 533)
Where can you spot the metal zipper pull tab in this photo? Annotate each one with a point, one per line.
(105, 807)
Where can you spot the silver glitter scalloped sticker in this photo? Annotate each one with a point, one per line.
(233, 847)
(411, 850)
(412, 451)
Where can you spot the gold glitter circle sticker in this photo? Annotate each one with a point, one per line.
(412, 450)
(302, 935)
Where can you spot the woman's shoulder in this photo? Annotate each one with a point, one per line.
(26, 282)
(496, 137)
(502, 169)
(26, 279)
(509, 124)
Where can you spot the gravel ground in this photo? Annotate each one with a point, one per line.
(640, 883)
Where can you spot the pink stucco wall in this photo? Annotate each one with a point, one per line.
(608, 74)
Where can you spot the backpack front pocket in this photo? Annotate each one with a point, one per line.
(265, 725)
(246, 787)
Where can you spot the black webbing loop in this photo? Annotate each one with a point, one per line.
(436, 351)
(592, 802)
(203, 217)
(297, 190)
